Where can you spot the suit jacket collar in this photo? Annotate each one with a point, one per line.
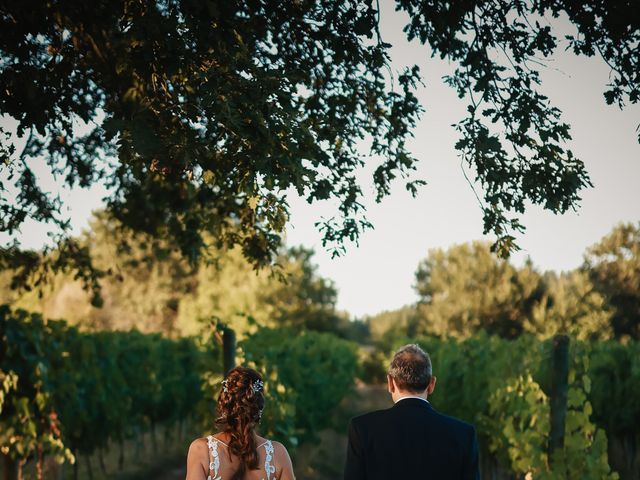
(412, 403)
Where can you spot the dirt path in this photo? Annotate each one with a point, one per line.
(178, 472)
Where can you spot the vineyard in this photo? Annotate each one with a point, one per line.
(66, 394)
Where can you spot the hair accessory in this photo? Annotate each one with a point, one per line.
(224, 385)
(257, 386)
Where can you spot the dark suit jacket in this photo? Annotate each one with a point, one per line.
(411, 441)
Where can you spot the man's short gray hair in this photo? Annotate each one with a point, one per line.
(411, 368)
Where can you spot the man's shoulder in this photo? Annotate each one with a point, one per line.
(369, 417)
(377, 416)
(454, 422)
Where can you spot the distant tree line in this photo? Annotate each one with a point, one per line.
(462, 290)
(150, 286)
(467, 288)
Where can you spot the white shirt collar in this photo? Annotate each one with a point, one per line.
(411, 396)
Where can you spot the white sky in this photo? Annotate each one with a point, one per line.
(378, 275)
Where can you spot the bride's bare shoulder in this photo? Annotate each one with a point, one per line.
(280, 453)
(279, 447)
(198, 446)
(197, 459)
(279, 450)
(283, 462)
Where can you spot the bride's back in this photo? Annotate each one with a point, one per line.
(223, 464)
(237, 452)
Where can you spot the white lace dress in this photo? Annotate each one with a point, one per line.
(214, 459)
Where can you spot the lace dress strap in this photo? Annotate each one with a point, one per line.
(214, 459)
(269, 468)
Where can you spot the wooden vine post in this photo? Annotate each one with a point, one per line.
(228, 342)
(228, 349)
(12, 468)
(559, 390)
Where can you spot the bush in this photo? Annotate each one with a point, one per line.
(309, 373)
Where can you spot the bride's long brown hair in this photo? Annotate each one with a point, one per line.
(239, 410)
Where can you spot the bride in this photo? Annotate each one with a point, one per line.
(237, 452)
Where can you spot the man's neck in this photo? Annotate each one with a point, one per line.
(403, 396)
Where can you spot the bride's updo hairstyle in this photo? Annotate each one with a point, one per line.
(239, 410)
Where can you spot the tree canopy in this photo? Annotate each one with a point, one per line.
(152, 288)
(614, 267)
(201, 117)
(467, 288)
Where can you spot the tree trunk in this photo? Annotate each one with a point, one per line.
(101, 460)
(89, 468)
(75, 465)
(154, 438)
(630, 450)
(121, 456)
(168, 430)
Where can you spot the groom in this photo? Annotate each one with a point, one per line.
(411, 440)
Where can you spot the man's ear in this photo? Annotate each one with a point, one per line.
(391, 387)
(432, 385)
